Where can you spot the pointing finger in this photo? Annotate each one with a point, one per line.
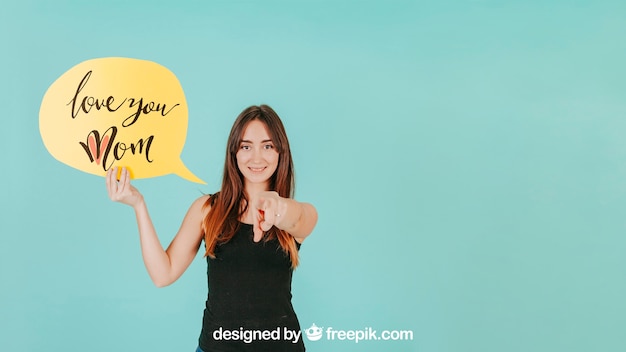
(269, 209)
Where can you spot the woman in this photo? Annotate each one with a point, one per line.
(252, 229)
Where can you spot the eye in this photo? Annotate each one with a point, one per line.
(245, 147)
(268, 146)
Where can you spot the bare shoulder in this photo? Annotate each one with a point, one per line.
(201, 205)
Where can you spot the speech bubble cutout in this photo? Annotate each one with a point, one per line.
(116, 111)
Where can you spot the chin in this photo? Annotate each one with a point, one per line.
(257, 180)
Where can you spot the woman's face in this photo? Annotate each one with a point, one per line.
(257, 157)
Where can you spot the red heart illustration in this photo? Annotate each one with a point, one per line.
(97, 147)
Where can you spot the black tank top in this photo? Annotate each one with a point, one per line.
(249, 290)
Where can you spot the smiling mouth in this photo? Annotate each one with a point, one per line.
(256, 169)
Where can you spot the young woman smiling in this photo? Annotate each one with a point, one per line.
(252, 229)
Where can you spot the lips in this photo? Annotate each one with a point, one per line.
(256, 169)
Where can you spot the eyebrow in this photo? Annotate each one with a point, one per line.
(263, 141)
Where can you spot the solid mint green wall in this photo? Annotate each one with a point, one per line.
(466, 159)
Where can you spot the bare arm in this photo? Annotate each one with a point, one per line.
(164, 266)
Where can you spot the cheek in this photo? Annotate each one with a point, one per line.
(274, 158)
(240, 160)
(275, 164)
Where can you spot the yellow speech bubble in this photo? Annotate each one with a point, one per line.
(115, 111)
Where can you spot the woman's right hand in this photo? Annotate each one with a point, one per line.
(122, 191)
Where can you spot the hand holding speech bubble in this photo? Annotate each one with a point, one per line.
(117, 112)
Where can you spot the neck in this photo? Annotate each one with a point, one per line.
(254, 188)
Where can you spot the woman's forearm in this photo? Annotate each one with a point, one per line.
(155, 258)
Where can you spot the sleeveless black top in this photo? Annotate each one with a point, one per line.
(249, 293)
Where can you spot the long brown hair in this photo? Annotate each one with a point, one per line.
(231, 202)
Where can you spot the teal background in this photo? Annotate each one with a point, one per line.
(466, 159)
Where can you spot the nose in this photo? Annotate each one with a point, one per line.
(257, 154)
